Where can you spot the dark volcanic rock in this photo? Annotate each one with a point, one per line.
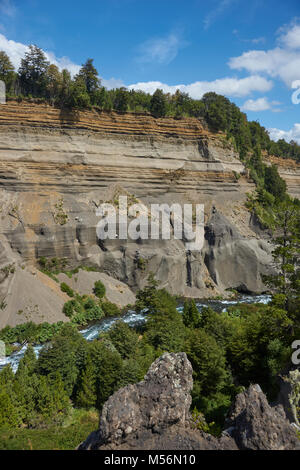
(159, 401)
(255, 425)
(154, 414)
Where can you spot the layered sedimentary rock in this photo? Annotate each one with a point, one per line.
(57, 167)
(154, 415)
(289, 170)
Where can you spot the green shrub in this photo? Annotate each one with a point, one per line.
(110, 309)
(99, 289)
(67, 289)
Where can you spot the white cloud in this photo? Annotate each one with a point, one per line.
(290, 36)
(226, 86)
(292, 134)
(16, 51)
(161, 50)
(282, 62)
(257, 40)
(261, 104)
(7, 8)
(216, 12)
(63, 63)
(112, 83)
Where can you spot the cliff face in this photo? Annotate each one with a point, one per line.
(57, 167)
(289, 170)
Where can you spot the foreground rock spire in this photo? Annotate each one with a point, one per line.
(154, 415)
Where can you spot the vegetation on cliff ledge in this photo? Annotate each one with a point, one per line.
(37, 78)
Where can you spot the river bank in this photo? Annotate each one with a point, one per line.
(135, 319)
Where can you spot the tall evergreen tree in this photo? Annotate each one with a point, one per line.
(158, 104)
(121, 100)
(124, 338)
(53, 82)
(86, 395)
(33, 72)
(89, 74)
(191, 316)
(286, 254)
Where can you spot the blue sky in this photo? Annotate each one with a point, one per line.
(248, 50)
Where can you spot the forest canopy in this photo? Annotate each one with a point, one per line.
(39, 79)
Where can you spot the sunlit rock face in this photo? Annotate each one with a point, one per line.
(56, 167)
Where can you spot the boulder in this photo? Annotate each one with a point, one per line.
(255, 425)
(159, 401)
(154, 415)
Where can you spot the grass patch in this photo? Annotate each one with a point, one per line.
(66, 437)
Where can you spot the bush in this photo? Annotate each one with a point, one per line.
(99, 289)
(110, 309)
(67, 289)
(71, 307)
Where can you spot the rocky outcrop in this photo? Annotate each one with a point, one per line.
(289, 393)
(227, 253)
(154, 415)
(255, 425)
(161, 400)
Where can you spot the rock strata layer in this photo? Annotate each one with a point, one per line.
(57, 167)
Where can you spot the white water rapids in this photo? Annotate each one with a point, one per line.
(134, 319)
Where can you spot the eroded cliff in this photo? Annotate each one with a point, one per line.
(56, 167)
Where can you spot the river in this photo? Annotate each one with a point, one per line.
(135, 319)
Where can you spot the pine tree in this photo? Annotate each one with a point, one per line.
(89, 74)
(158, 104)
(124, 338)
(65, 88)
(286, 255)
(45, 405)
(53, 82)
(24, 390)
(6, 376)
(86, 396)
(29, 360)
(121, 100)
(78, 96)
(33, 72)
(9, 415)
(60, 397)
(256, 162)
(274, 184)
(108, 366)
(191, 316)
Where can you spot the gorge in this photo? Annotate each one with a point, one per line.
(57, 166)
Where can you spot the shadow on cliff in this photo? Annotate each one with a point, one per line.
(69, 116)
